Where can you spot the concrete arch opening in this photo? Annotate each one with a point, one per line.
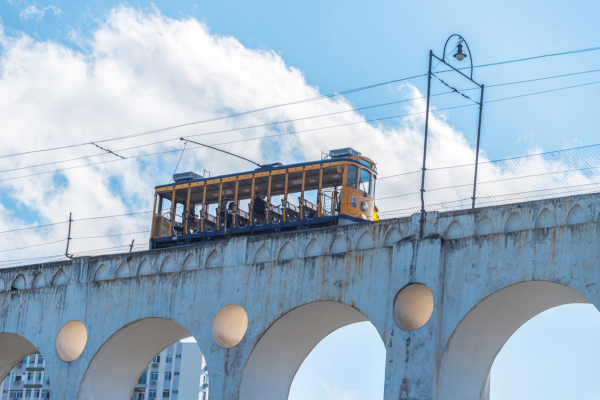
(282, 349)
(553, 356)
(474, 344)
(144, 359)
(23, 367)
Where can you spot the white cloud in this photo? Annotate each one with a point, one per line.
(143, 71)
(33, 11)
(338, 394)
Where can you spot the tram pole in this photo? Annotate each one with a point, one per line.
(422, 220)
(477, 151)
(69, 236)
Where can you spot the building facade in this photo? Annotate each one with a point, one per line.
(28, 380)
(178, 373)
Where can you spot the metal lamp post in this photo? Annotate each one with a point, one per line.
(459, 56)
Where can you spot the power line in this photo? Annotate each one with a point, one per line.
(285, 134)
(293, 103)
(307, 130)
(326, 96)
(303, 118)
(527, 59)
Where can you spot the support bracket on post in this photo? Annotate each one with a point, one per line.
(131, 245)
(69, 237)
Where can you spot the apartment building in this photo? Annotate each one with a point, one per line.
(28, 380)
(177, 373)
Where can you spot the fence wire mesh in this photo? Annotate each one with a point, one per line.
(534, 177)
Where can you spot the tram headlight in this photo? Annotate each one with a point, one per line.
(364, 206)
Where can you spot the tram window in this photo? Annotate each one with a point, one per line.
(332, 176)
(244, 199)
(365, 181)
(166, 202)
(352, 171)
(294, 193)
(374, 182)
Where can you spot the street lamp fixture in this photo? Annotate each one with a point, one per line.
(459, 53)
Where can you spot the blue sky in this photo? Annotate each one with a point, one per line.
(342, 45)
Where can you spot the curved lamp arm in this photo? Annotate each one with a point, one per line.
(468, 49)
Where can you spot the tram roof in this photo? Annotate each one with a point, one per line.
(329, 160)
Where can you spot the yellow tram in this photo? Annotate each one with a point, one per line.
(273, 198)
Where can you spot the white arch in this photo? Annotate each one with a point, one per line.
(485, 226)
(214, 260)
(455, 231)
(101, 273)
(39, 281)
(274, 361)
(576, 215)
(129, 349)
(339, 245)
(60, 278)
(286, 252)
(123, 270)
(313, 249)
(168, 265)
(144, 268)
(190, 262)
(392, 237)
(514, 223)
(262, 255)
(18, 283)
(470, 351)
(545, 220)
(365, 241)
(13, 348)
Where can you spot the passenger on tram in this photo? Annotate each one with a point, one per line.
(259, 208)
(193, 222)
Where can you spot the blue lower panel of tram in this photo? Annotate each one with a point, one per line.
(263, 229)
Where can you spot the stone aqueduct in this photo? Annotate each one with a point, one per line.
(444, 305)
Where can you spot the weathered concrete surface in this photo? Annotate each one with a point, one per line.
(502, 266)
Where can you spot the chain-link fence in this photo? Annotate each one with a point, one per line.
(87, 237)
(513, 180)
(548, 175)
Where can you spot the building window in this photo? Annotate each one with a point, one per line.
(142, 380)
(41, 359)
(45, 394)
(36, 394)
(30, 376)
(28, 394)
(203, 395)
(152, 394)
(166, 394)
(169, 359)
(178, 356)
(139, 394)
(167, 376)
(31, 359)
(154, 376)
(176, 373)
(156, 359)
(16, 394)
(175, 391)
(38, 377)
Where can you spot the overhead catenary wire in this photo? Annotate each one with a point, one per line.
(298, 119)
(293, 103)
(326, 96)
(307, 130)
